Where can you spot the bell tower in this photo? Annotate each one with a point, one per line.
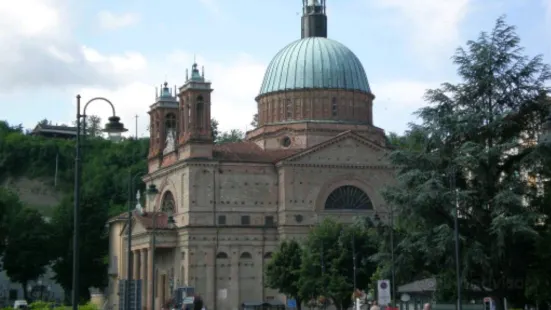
(163, 123)
(195, 139)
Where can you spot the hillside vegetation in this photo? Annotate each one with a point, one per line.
(38, 173)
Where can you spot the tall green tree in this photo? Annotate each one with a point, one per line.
(10, 205)
(283, 270)
(27, 251)
(478, 158)
(327, 263)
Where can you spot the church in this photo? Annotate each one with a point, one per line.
(222, 209)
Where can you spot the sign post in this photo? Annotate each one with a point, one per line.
(383, 293)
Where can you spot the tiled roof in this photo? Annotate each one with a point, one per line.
(147, 218)
(249, 152)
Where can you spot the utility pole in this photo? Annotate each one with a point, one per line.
(455, 202)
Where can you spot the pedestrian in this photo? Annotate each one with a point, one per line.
(426, 306)
(375, 306)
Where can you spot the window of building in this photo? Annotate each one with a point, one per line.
(269, 221)
(289, 109)
(245, 220)
(221, 220)
(334, 106)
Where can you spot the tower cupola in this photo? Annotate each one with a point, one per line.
(314, 19)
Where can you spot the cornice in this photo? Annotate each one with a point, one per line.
(177, 166)
(283, 164)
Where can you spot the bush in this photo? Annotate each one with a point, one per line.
(42, 305)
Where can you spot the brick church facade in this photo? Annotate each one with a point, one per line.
(222, 210)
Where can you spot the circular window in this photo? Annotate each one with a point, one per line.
(286, 141)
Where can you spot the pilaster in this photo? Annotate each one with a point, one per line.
(210, 294)
(233, 295)
(135, 265)
(150, 275)
(143, 277)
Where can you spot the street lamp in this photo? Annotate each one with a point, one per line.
(377, 221)
(455, 202)
(114, 128)
(151, 191)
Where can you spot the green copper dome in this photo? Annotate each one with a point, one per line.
(314, 62)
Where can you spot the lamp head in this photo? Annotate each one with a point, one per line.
(152, 190)
(114, 128)
(171, 222)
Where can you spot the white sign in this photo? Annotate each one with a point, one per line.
(383, 292)
(223, 293)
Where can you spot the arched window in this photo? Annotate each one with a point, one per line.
(170, 122)
(348, 197)
(169, 204)
(334, 106)
(221, 255)
(245, 255)
(170, 132)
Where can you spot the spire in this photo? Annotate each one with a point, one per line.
(314, 19)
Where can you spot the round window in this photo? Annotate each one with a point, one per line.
(286, 141)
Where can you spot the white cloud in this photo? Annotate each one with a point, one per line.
(29, 17)
(109, 20)
(396, 101)
(235, 85)
(433, 25)
(37, 49)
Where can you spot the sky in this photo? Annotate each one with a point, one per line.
(52, 50)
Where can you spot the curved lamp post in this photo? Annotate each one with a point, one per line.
(151, 191)
(114, 128)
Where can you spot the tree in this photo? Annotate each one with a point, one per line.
(414, 139)
(479, 157)
(93, 126)
(27, 251)
(254, 122)
(9, 206)
(283, 270)
(214, 129)
(234, 135)
(45, 121)
(327, 263)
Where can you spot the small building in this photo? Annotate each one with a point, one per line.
(54, 131)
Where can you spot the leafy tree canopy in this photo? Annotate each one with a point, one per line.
(10, 205)
(27, 252)
(283, 270)
(327, 267)
(479, 156)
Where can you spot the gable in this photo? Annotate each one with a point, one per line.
(137, 228)
(345, 150)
